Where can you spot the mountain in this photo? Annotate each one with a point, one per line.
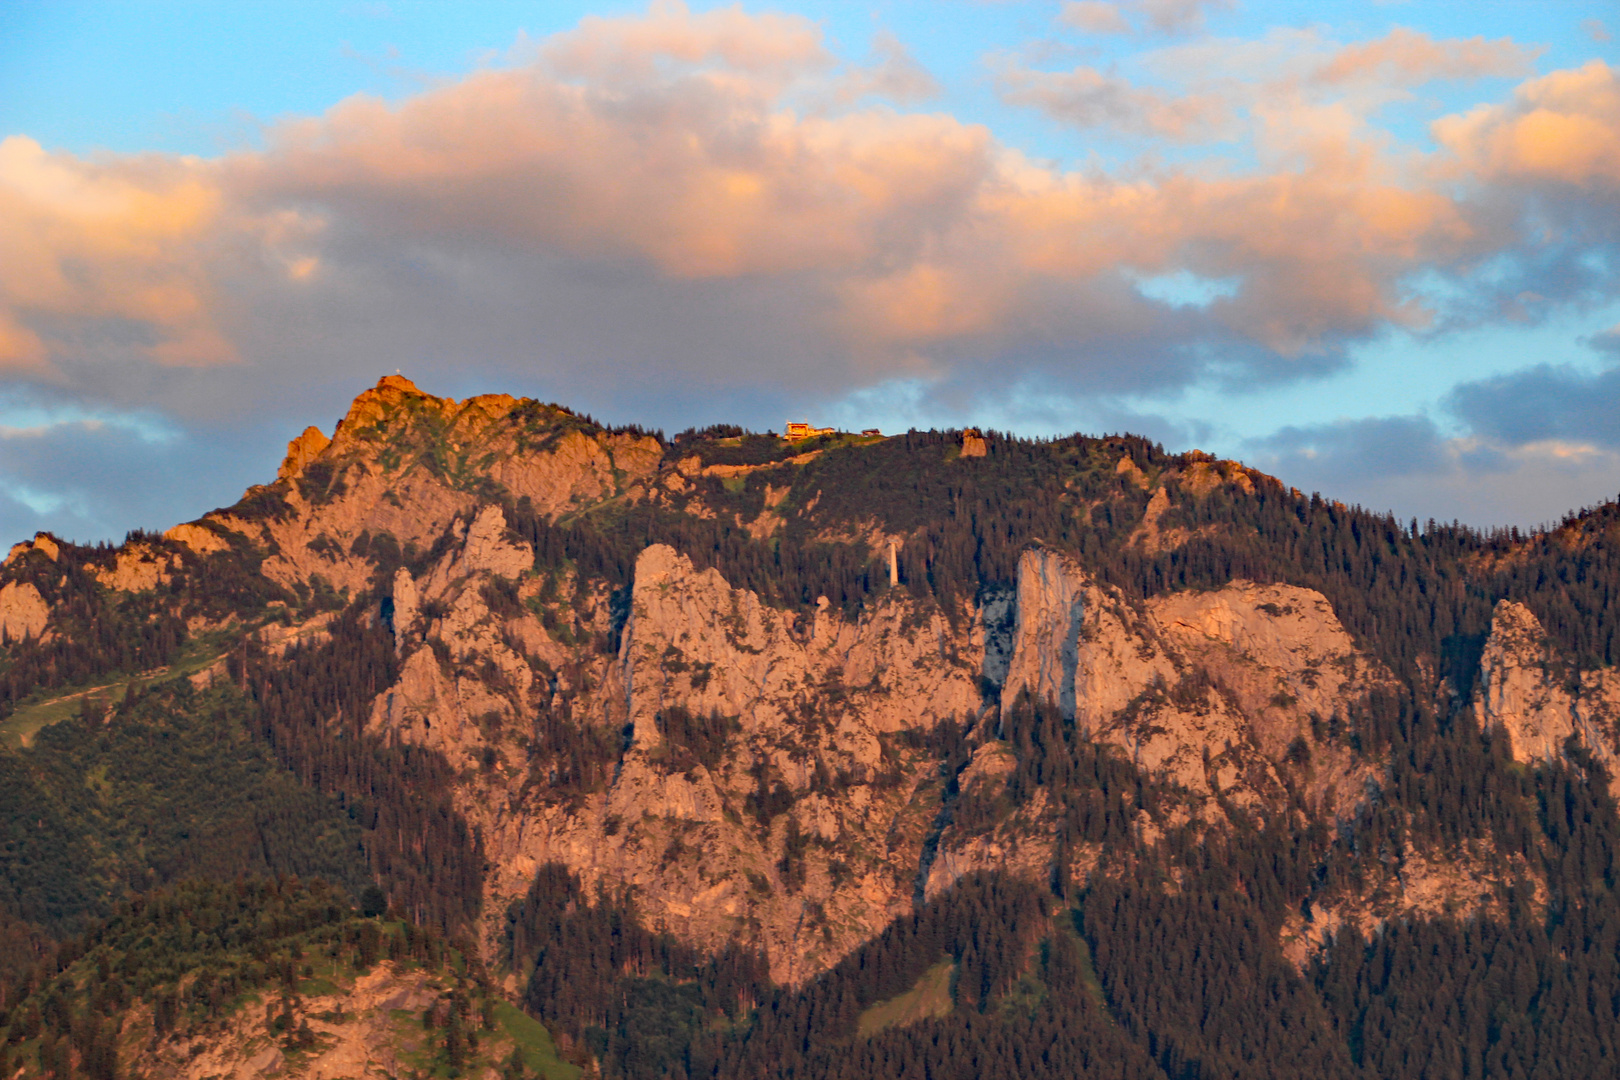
(944, 754)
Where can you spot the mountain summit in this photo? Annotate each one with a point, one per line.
(949, 753)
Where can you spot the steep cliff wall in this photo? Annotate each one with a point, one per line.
(769, 777)
(1539, 699)
(1210, 689)
(1223, 694)
(23, 611)
(764, 787)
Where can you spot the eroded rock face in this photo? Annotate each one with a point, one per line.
(137, 568)
(799, 822)
(439, 708)
(301, 451)
(1212, 691)
(766, 786)
(1537, 698)
(1469, 880)
(692, 640)
(23, 612)
(1207, 688)
(43, 543)
(199, 538)
(402, 465)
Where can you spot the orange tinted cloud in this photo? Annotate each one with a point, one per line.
(671, 144)
(1094, 17)
(1406, 57)
(106, 241)
(633, 48)
(1564, 127)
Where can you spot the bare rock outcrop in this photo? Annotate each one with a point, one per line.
(1219, 693)
(301, 451)
(443, 708)
(692, 640)
(1538, 699)
(1209, 689)
(23, 612)
(402, 465)
(795, 818)
(137, 568)
(355, 1028)
(44, 543)
(198, 537)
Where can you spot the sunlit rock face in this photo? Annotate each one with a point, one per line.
(788, 772)
(1537, 698)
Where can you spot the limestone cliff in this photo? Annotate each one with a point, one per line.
(402, 465)
(1210, 689)
(23, 611)
(1538, 699)
(1218, 693)
(767, 764)
(43, 543)
(798, 821)
(765, 787)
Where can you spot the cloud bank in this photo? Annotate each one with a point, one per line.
(648, 215)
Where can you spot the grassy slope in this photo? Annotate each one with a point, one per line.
(931, 996)
(19, 729)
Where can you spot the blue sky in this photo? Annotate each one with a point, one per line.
(1368, 247)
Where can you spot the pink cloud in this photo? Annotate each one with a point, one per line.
(1406, 57)
(1162, 16)
(1563, 127)
(668, 148)
(115, 240)
(1094, 17)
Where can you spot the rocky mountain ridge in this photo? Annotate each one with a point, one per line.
(743, 686)
(1221, 694)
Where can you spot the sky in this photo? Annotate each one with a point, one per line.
(1370, 248)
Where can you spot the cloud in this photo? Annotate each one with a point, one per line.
(905, 237)
(1087, 98)
(88, 480)
(1094, 17)
(1405, 464)
(894, 75)
(1405, 57)
(1180, 16)
(635, 49)
(1563, 127)
(1161, 16)
(642, 154)
(646, 215)
(1544, 403)
(116, 246)
(1395, 446)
